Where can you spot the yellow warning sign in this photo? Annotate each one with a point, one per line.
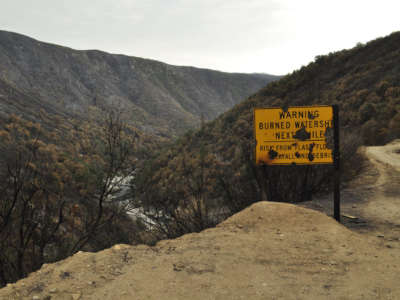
(296, 135)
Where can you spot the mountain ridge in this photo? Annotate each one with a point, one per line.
(162, 98)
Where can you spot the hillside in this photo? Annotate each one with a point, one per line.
(363, 82)
(15, 101)
(161, 98)
(69, 142)
(268, 251)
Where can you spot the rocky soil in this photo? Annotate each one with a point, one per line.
(268, 251)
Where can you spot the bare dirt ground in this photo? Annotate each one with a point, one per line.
(268, 251)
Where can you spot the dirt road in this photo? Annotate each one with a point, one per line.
(268, 251)
(370, 205)
(383, 205)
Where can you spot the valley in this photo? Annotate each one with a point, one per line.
(269, 250)
(81, 130)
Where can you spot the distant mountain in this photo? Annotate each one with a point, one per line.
(161, 98)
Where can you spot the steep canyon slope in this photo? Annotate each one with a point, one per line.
(161, 98)
(365, 84)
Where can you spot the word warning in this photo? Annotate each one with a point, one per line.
(296, 135)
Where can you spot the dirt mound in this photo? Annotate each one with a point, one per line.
(268, 251)
(267, 214)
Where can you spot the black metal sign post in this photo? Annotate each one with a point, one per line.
(336, 164)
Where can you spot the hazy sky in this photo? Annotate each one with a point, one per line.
(266, 36)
